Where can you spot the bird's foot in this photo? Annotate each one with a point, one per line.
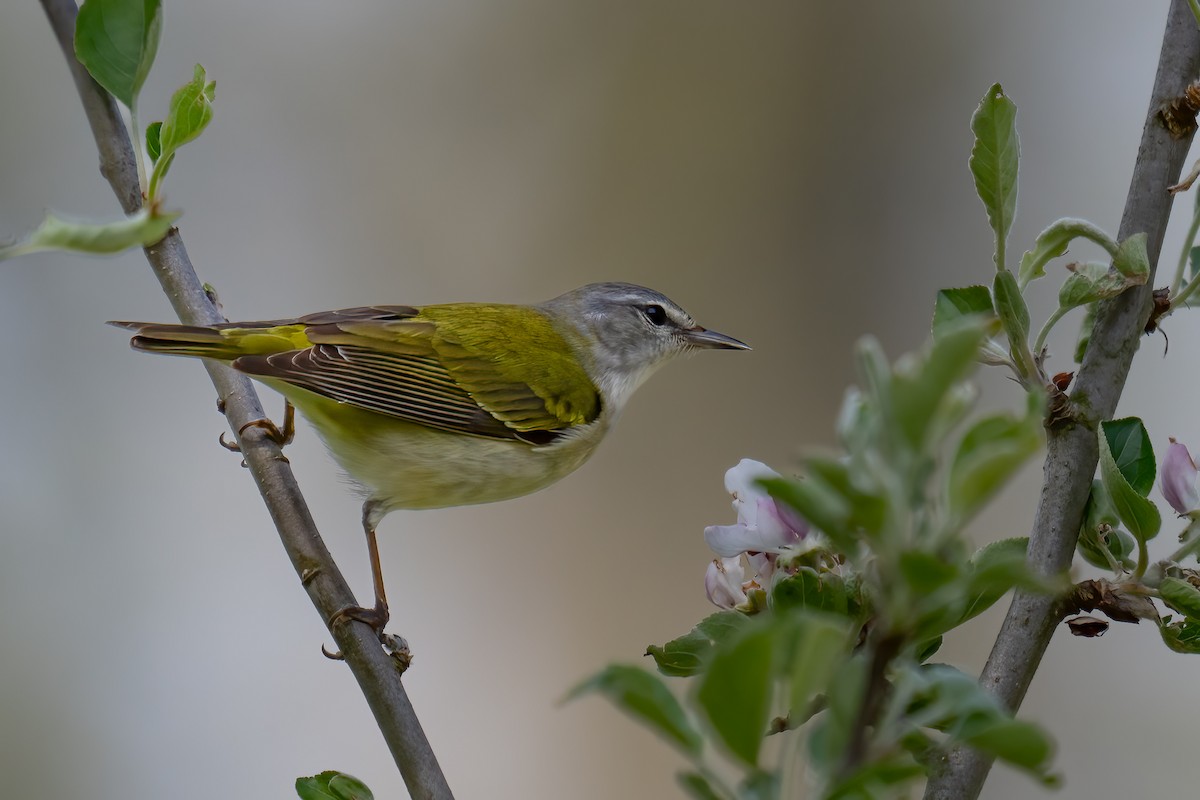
(376, 617)
(280, 437)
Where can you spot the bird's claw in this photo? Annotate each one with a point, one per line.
(376, 617)
(280, 437)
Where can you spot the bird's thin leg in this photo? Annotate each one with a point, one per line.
(377, 617)
(280, 437)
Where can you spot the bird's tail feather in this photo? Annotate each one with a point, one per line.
(224, 343)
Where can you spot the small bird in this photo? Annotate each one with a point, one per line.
(448, 405)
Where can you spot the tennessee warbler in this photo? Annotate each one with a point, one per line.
(446, 405)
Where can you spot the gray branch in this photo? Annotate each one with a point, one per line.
(1072, 451)
(376, 672)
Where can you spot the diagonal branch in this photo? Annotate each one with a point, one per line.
(376, 672)
(1072, 451)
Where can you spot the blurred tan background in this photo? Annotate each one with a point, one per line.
(792, 173)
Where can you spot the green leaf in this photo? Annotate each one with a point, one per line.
(1092, 281)
(686, 655)
(1020, 743)
(815, 500)
(116, 40)
(189, 114)
(154, 140)
(806, 589)
(647, 699)
(1014, 318)
(994, 159)
(995, 569)
(1182, 637)
(1124, 443)
(141, 229)
(919, 387)
(1132, 260)
(1052, 243)
(993, 449)
(820, 643)
(697, 787)
(954, 304)
(332, 785)
(1085, 332)
(735, 691)
(1131, 450)
(1181, 596)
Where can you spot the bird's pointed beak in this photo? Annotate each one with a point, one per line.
(711, 340)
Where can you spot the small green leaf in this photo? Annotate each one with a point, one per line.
(995, 569)
(646, 698)
(1092, 281)
(1014, 319)
(994, 159)
(1181, 596)
(1099, 532)
(141, 229)
(154, 140)
(990, 453)
(815, 500)
(190, 111)
(1127, 470)
(697, 787)
(332, 785)
(1131, 259)
(735, 691)
(686, 655)
(1052, 243)
(1182, 637)
(189, 114)
(805, 589)
(954, 304)
(116, 40)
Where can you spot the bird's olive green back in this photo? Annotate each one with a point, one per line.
(499, 371)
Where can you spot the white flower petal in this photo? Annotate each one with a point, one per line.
(741, 481)
(723, 582)
(1178, 479)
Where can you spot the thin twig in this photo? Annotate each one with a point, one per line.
(374, 669)
(1071, 451)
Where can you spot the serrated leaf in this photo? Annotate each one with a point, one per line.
(116, 40)
(647, 699)
(1020, 743)
(154, 140)
(808, 590)
(686, 655)
(1182, 637)
(993, 570)
(1053, 242)
(140, 229)
(1092, 281)
(994, 160)
(954, 304)
(190, 112)
(1181, 596)
(1124, 443)
(735, 691)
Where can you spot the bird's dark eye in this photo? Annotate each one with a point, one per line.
(655, 314)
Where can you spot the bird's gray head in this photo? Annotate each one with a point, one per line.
(625, 332)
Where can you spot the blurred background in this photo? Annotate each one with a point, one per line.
(793, 173)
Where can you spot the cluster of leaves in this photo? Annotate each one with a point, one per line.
(841, 645)
(117, 40)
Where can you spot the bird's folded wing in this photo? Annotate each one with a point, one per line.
(405, 363)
